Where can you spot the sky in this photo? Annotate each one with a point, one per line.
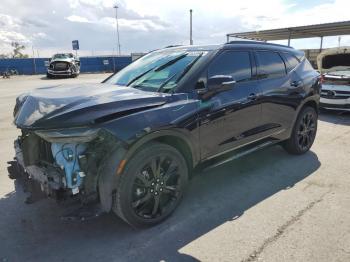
(48, 26)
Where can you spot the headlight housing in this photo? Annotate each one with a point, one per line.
(74, 135)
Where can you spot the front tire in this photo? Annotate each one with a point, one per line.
(151, 185)
(304, 132)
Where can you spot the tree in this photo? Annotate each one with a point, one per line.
(17, 48)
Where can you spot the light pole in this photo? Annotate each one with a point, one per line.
(191, 40)
(116, 18)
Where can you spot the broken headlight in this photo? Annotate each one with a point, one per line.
(74, 135)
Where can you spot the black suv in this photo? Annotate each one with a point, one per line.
(128, 145)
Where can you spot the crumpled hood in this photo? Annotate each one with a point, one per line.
(80, 105)
(67, 59)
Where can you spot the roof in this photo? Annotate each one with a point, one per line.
(240, 43)
(319, 30)
(245, 42)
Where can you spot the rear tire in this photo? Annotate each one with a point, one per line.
(304, 132)
(151, 185)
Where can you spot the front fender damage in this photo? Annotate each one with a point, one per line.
(74, 173)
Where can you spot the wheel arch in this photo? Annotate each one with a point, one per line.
(175, 138)
(108, 177)
(311, 103)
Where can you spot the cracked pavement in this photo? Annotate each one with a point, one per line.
(267, 206)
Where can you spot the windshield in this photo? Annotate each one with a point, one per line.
(158, 71)
(62, 56)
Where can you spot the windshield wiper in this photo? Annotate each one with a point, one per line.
(187, 68)
(156, 69)
(170, 62)
(139, 76)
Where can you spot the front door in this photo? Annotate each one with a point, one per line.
(229, 118)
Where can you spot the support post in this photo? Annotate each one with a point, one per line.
(290, 34)
(321, 45)
(117, 26)
(227, 38)
(34, 64)
(191, 40)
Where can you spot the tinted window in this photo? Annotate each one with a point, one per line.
(270, 64)
(233, 63)
(291, 60)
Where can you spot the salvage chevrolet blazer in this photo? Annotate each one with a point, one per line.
(128, 145)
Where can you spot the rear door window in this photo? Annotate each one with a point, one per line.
(270, 65)
(234, 63)
(291, 61)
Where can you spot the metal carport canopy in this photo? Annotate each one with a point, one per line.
(319, 30)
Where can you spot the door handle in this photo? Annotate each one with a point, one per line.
(252, 97)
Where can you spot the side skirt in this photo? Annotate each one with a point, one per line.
(240, 152)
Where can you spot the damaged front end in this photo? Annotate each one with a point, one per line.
(63, 165)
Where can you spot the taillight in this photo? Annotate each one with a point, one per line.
(322, 79)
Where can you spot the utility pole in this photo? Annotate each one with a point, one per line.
(191, 40)
(116, 19)
(34, 64)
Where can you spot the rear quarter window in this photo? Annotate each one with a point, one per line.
(291, 61)
(270, 64)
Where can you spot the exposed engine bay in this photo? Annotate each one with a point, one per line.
(64, 171)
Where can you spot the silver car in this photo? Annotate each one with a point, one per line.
(63, 65)
(334, 64)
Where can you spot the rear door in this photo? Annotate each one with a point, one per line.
(280, 91)
(228, 117)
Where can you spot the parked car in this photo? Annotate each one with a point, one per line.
(63, 65)
(334, 64)
(130, 143)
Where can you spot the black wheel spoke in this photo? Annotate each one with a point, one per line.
(303, 141)
(154, 167)
(306, 141)
(142, 200)
(170, 190)
(156, 205)
(142, 178)
(170, 171)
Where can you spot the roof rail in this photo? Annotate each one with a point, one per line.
(238, 42)
(170, 46)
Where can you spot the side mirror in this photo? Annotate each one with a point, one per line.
(220, 83)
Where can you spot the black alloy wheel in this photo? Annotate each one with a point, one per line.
(151, 186)
(304, 132)
(156, 187)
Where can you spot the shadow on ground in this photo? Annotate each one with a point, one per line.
(335, 117)
(35, 232)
